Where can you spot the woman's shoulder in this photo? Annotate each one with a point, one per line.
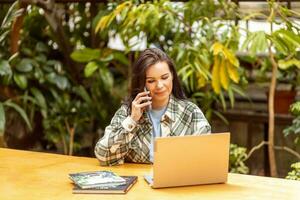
(186, 105)
(123, 110)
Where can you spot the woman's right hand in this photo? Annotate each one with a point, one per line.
(139, 104)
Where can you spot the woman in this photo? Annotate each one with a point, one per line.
(156, 107)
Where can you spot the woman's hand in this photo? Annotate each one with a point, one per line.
(139, 104)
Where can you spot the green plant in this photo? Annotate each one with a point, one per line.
(194, 34)
(295, 127)
(282, 48)
(237, 157)
(295, 173)
(6, 72)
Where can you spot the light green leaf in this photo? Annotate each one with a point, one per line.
(85, 55)
(286, 64)
(107, 58)
(2, 119)
(90, 68)
(290, 36)
(21, 81)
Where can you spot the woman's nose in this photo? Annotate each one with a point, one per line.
(159, 84)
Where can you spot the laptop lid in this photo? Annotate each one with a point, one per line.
(191, 160)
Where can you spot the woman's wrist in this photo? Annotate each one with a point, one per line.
(129, 124)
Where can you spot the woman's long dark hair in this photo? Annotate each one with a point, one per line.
(146, 59)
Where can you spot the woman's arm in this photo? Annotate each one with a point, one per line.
(112, 148)
(199, 124)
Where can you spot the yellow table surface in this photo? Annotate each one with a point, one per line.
(33, 175)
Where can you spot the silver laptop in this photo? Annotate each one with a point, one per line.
(190, 160)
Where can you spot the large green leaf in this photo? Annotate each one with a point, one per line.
(286, 64)
(85, 55)
(21, 80)
(289, 36)
(90, 68)
(5, 69)
(20, 111)
(25, 65)
(256, 42)
(2, 119)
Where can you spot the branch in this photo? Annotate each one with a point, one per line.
(291, 151)
(256, 148)
(284, 148)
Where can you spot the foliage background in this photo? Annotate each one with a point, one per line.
(65, 83)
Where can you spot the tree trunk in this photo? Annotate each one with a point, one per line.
(16, 27)
(272, 160)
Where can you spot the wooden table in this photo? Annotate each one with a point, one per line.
(39, 176)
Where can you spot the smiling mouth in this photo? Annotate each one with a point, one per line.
(160, 92)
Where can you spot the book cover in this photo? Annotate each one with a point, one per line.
(96, 179)
(120, 189)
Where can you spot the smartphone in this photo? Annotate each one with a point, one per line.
(148, 107)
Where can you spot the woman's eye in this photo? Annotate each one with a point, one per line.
(165, 77)
(150, 81)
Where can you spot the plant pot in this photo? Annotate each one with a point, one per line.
(283, 100)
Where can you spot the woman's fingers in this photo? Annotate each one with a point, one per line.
(144, 98)
(141, 94)
(142, 105)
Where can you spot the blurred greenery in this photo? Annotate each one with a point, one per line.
(295, 173)
(237, 158)
(65, 74)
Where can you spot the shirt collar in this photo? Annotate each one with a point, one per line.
(170, 113)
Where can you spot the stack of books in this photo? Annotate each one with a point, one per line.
(101, 182)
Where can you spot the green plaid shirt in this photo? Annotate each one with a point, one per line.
(182, 117)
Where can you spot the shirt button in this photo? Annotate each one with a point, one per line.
(130, 126)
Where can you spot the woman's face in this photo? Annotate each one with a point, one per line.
(159, 81)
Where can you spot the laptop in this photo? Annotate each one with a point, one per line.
(190, 160)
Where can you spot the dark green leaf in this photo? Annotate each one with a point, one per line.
(60, 81)
(121, 58)
(41, 47)
(5, 69)
(41, 58)
(20, 111)
(84, 94)
(27, 52)
(40, 99)
(25, 65)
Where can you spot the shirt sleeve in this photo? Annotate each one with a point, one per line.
(199, 123)
(112, 148)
